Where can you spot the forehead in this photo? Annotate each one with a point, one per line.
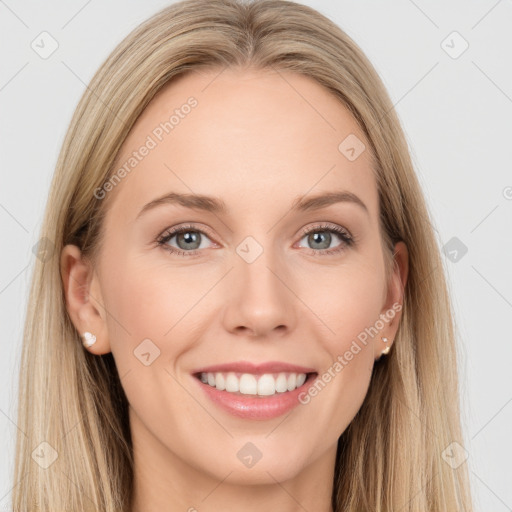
(253, 137)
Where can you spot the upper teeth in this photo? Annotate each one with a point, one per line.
(249, 384)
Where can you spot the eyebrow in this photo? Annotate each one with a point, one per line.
(218, 206)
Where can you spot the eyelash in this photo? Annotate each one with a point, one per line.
(347, 239)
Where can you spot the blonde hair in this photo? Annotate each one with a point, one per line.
(390, 456)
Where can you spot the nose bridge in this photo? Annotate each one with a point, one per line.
(259, 299)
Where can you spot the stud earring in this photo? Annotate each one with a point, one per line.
(89, 339)
(387, 349)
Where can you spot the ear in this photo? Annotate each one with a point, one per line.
(84, 302)
(395, 297)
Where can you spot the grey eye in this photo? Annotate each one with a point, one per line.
(188, 239)
(320, 239)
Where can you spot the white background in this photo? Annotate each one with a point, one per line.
(456, 113)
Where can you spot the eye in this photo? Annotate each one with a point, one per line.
(320, 238)
(188, 239)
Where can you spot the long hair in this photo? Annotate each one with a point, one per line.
(390, 457)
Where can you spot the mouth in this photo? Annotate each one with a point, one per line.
(253, 396)
(255, 385)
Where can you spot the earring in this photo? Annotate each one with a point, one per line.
(387, 349)
(89, 339)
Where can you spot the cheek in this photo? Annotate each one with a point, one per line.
(150, 301)
(349, 302)
(148, 332)
(352, 312)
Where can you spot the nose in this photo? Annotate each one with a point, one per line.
(260, 299)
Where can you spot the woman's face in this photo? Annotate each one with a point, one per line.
(259, 274)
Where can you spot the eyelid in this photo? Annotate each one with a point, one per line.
(327, 226)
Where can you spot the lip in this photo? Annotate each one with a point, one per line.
(251, 407)
(256, 369)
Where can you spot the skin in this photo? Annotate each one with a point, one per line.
(257, 144)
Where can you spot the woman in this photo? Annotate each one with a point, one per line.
(244, 305)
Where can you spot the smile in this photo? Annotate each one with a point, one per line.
(267, 384)
(254, 392)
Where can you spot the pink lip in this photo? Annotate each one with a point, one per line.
(252, 407)
(256, 369)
